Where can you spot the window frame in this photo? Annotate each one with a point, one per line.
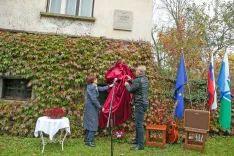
(20, 96)
(77, 9)
(102, 95)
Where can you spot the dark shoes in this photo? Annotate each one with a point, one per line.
(136, 148)
(90, 144)
(133, 142)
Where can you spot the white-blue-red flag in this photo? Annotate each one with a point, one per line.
(212, 101)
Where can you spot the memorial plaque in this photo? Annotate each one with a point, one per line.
(123, 20)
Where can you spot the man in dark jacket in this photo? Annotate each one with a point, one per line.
(139, 88)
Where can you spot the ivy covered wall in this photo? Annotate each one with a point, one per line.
(57, 66)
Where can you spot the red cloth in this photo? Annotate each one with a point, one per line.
(121, 99)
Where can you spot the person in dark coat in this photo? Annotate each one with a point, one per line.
(92, 108)
(139, 88)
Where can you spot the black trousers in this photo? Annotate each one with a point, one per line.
(139, 113)
(89, 136)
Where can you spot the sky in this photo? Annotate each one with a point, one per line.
(161, 18)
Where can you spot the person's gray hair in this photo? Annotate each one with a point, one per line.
(142, 69)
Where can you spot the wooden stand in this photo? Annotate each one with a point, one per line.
(198, 145)
(197, 122)
(158, 141)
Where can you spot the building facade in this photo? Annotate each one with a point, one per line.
(116, 19)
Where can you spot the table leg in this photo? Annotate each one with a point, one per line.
(163, 138)
(61, 134)
(186, 139)
(43, 141)
(147, 137)
(64, 139)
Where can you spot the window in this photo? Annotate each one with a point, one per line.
(102, 95)
(16, 89)
(71, 7)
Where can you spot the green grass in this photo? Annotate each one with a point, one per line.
(15, 146)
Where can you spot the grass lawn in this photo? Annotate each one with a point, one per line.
(15, 146)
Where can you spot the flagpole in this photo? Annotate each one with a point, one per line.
(185, 67)
(191, 104)
(205, 99)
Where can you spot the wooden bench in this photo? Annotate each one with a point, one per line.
(194, 144)
(157, 141)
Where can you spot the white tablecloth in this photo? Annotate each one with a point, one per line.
(51, 126)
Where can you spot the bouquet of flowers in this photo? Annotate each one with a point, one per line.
(54, 113)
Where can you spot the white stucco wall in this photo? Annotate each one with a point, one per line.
(25, 15)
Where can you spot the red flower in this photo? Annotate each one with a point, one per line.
(54, 113)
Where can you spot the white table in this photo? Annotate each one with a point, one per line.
(51, 127)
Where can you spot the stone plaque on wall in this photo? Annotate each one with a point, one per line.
(123, 20)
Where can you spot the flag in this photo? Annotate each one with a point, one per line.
(225, 95)
(179, 88)
(212, 102)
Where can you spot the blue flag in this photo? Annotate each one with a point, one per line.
(179, 88)
(225, 113)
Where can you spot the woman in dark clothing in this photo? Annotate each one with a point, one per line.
(92, 108)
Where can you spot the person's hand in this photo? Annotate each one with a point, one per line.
(126, 83)
(111, 85)
(129, 78)
(103, 109)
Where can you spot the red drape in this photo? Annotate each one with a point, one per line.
(121, 100)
